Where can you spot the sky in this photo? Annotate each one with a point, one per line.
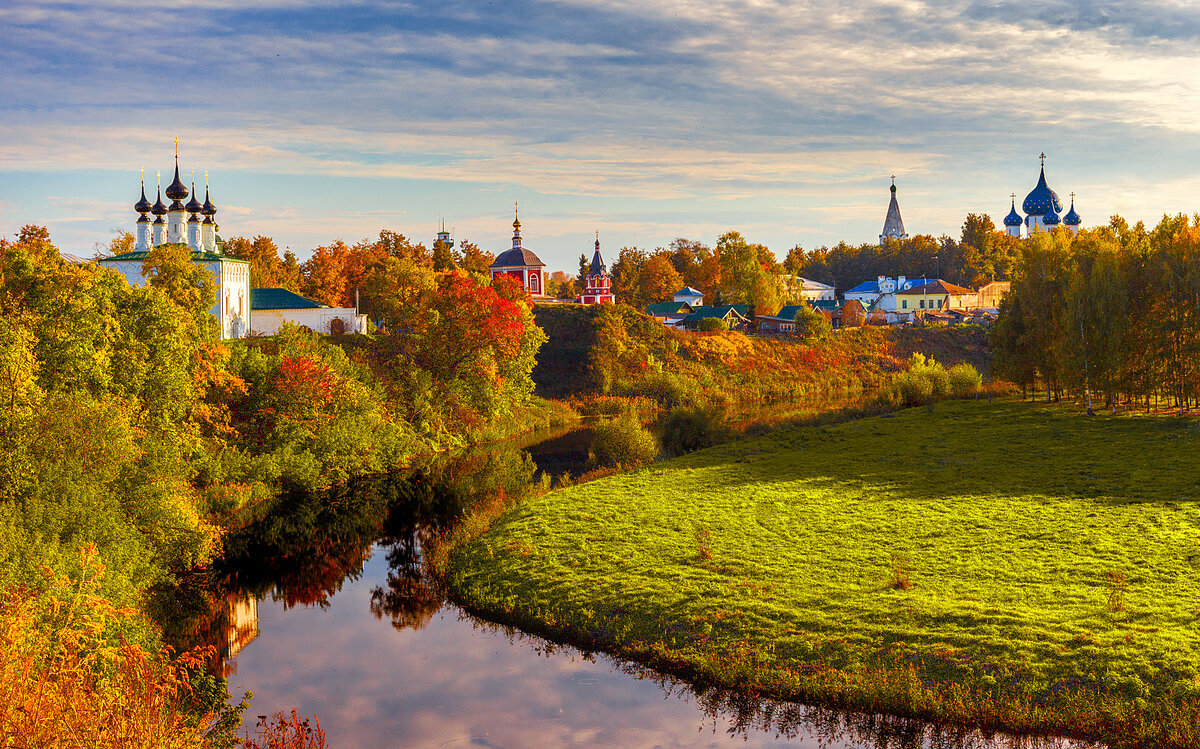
(645, 120)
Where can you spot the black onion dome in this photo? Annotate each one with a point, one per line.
(193, 205)
(143, 205)
(516, 257)
(208, 209)
(159, 209)
(176, 191)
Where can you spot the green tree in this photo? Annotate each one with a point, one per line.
(189, 285)
(811, 325)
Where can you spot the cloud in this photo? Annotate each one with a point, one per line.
(647, 109)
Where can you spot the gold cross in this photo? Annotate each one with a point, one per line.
(176, 146)
(1043, 158)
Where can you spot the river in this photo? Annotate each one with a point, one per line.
(324, 607)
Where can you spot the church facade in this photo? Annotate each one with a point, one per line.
(195, 225)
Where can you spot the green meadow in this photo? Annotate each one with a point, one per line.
(1007, 565)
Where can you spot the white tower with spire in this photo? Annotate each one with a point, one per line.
(176, 192)
(1013, 221)
(208, 227)
(193, 227)
(159, 210)
(893, 225)
(143, 207)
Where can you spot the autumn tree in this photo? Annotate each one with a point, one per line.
(472, 259)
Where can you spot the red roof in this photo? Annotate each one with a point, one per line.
(936, 287)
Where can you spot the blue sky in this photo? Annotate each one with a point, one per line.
(642, 119)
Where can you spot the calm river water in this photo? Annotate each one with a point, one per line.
(325, 608)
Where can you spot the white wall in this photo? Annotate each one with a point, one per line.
(268, 321)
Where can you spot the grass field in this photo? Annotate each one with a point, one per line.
(1012, 565)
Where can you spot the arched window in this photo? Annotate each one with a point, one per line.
(534, 283)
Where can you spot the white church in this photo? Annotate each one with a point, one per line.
(195, 225)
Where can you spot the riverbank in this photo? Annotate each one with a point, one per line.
(1010, 566)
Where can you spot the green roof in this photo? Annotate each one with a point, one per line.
(789, 311)
(719, 312)
(668, 308)
(197, 256)
(825, 305)
(263, 299)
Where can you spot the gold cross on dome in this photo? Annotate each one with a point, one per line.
(177, 146)
(1043, 158)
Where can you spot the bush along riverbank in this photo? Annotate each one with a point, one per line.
(129, 429)
(1008, 566)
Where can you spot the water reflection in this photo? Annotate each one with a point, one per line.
(350, 627)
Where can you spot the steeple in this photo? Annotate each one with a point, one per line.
(516, 228)
(208, 227)
(597, 268)
(176, 190)
(143, 206)
(893, 225)
(1072, 218)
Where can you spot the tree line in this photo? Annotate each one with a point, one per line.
(1112, 314)
(737, 271)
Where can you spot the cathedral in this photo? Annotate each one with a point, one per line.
(1041, 208)
(195, 225)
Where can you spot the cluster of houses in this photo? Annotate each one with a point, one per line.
(884, 301)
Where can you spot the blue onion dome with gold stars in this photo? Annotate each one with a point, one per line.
(143, 206)
(159, 209)
(1050, 219)
(1042, 199)
(1013, 218)
(1072, 218)
(208, 209)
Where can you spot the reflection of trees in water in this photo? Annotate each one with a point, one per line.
(435, 501)
(743, 714)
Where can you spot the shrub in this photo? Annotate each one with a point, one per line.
(686, 430)
(964, 379)
(667, 389)
(712, 325)
(901, 572)
(1115, 584)
(622, 441)
(812, 325)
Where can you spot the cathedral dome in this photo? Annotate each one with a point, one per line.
(1013, 218)
(1041, 200)
(1072, 218)
(1050, 219)
(193, 206)
(176, 191)
(158, 208)
(143, 205)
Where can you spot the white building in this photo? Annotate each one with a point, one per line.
(273, 307)
(688, 295)
(184, 225)
(812, 291)
(881, 292)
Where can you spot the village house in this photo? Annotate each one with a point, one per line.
(734, 315)
(669, 313)
(688, 295)
(990, 294)
(934, 295)
(809, 290)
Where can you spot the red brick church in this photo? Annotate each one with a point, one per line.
(599, 283)
(521, 264)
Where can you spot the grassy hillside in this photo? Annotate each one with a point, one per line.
(619, 351)
(1012, 565)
